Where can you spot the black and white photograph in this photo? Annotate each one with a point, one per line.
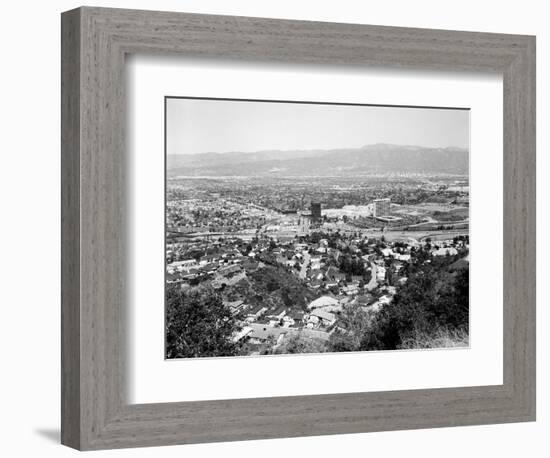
(301, 227)
(275, 229)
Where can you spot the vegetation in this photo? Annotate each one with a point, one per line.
(278, 286)
(431, 310)
(434, 301)
(352, 265)
(354, 324)
(441, 338)
(298, 343)
(198, 324)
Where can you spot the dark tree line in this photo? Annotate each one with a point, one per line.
(198, 324)
(433, 299)
(352, 266)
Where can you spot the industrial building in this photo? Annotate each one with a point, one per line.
(382, 207)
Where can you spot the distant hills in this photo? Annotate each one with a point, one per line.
(369, 159)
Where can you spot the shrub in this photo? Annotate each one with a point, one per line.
(441, 338)
(198, 324)
(432, 299)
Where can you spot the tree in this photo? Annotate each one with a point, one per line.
(198, 324)
(390, 274)
(352, 326)
(299, 343)
(433, 299)
(352, 266)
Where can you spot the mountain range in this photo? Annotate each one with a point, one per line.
(368, 159)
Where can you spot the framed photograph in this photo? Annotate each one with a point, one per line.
(277, 228)
(293, 236)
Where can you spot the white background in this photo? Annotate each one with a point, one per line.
(155, 380)
(29, 229)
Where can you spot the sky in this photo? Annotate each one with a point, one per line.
(199, 126)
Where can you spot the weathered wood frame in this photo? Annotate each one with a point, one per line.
(95, 413)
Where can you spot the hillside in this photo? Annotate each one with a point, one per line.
(370, 159)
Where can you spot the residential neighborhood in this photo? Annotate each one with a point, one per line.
(285, 275)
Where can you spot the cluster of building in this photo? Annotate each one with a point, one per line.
(319, 265)
(223, 240)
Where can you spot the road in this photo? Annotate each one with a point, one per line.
(393, 236)
(372, 282)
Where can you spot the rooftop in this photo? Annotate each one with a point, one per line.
(322, 301)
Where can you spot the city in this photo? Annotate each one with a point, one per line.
(319, 263)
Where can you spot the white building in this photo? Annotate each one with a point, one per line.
(323, 302)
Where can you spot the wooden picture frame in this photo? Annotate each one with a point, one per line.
(95, 412)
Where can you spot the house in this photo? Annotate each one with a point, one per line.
(334, 274)
(313, 320)
(236, 279)
(344, 300)
(323, 301)
(207, 259)
(350, 290)
(316, 274)
(363, 300)
(262, 332)
(403, 257)
(391, 290)
(296, 315)
(220, 281)
(191, 274)
(278, 313)
(172, 279)
(283, 260)
(229, 270)
(315, 284)
(209, 268)
(256, 311)
(244, 332)
(181, 265)
(315, 263)
(331, 272)
(311, 333)
(445, 252)
(234, 306)
(288, 321)
(251, 266)
(380, 273)
(326, 318)
(377, 306)
(387, 252)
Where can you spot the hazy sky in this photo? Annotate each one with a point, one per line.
(199, 126)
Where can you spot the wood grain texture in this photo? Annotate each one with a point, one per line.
(70, 229)
(95, 411)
